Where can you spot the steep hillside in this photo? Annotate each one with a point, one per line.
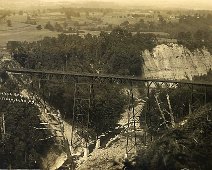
(51, 118)
(187, 146)
(166, 61)
(176, 62)
(48, 116)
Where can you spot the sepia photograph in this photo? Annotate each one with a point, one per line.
(106, 84)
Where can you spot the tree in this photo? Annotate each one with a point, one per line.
(58, 27)
(118, 52)
(109, 104)
(9, 23)
(185, 39)
(49, 26)
(65, 25)
(198, 39)
(39, 27)
(21, 147)
(162, 21)
(125, 24)
(186, 146)
(20, 12)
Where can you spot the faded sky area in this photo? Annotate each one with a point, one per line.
(197, 4)
(187, 3)
(190, 4)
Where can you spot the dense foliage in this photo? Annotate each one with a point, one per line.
(187, 146)
(179, 100)
(188, 23)
(196, 40)
(109, 102)
(182, 102)
(21, 146)
(191, 31)
(119, 52)
(204, 78)
(207, 78)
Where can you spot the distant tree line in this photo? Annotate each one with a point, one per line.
(187, 23)
(196, 40)
(62, 28)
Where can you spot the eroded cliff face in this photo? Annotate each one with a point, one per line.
(176, 62)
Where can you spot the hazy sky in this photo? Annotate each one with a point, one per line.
(197, 4)
(182, 3)
(171, 3)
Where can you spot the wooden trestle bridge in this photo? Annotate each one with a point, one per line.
(84, 92)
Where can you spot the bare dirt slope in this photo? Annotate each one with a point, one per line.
(176, 62)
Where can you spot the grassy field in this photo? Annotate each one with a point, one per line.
(26, 33)
(21, 30)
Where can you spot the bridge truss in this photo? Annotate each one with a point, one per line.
(84, 95)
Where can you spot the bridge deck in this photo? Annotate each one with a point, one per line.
(104, 76)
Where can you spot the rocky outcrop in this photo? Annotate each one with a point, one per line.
(173, 61)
